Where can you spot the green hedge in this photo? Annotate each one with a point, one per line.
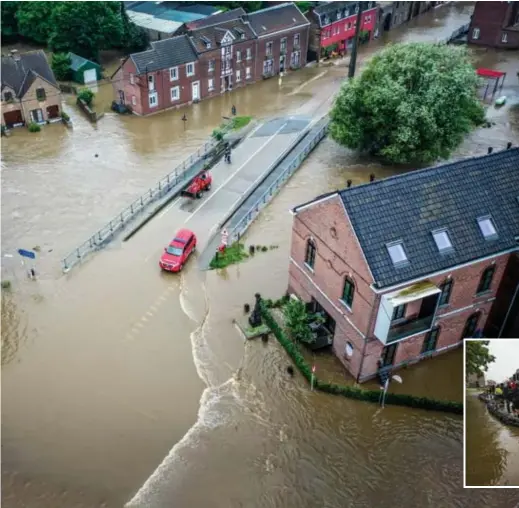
(353, 392)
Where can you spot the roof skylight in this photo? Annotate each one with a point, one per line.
(487, 227)
(443, 242)
(397, 253)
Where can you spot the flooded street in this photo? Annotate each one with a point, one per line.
(117, 362)
(492, 448)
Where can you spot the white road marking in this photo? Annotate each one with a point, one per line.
(213, 194)
(169, 207)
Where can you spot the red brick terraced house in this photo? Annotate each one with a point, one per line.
(226, 55)
(404, 268)
(333, 25)
(163, 77)
(212, 56)
(282, 33)
(495, 24)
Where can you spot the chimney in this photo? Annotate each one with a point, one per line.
(509, 145)
(372, 177)
(15, 55)
(348, 183)
(490, 150)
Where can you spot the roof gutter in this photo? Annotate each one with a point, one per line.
(440, 272)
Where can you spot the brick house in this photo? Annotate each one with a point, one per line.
(281, 39)
(30, 92)
(333, 26)
(495, 24)
(212, 56)
(226, 54)
(404, 268)
(163, 77)
(393, 14)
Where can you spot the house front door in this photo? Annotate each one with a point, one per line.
(195, 90)
(37, 115)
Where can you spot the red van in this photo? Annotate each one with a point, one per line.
(176, 253)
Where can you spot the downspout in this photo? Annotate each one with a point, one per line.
(377, 300)
(508, 311)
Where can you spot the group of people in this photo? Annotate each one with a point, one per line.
(507, 395)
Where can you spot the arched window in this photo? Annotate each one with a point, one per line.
(471, 326)
(431, 340)
(348, 291)
(486, 279)
(446, 288)
(310, 253)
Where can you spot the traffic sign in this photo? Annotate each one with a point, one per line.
(27, 253)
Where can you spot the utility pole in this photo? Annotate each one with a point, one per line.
(353, 58)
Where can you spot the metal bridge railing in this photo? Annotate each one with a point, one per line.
(163, 186)
(269, 193)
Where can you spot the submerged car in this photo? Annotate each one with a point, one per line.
(178, 251)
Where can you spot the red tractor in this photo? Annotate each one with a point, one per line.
(200, 183)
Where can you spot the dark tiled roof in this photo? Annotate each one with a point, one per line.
(331, 9)
(215, 34)
(217, 18)
(164, 54)
(274, 19)
(21, 75)
(452, 196)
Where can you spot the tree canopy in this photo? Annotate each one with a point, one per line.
(412, 103)
(477, 357)
(85, 28)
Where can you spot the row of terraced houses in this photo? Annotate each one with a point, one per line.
(214, 55)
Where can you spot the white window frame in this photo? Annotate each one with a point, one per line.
(283, 42)
(249, 54)
(173, 73)
(268, 51)
(487, 227)
(238, 76)
(238, 55)
(175, 89)
(211, 65)
(210, 84)
(132, 78)
(442, 240)
(248, 74)
(189, 74)
(151, 82)
(297, 40)
(504, 37)
(134, 100)
(154, 95)
(476, 33)
(397, 253)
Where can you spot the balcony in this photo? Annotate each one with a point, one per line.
(407, 312)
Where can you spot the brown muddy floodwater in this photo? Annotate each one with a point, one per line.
(122, 383)
(492, 449)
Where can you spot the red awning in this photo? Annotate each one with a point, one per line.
(489, 73)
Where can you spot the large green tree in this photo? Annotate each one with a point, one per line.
(86, 28)
(477, 357)
(9, 21)
(34, 20)
(412, 103)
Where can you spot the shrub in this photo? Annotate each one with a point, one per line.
(6, 284)
(34, 127)
(65, 116)
(61, 66)
(86, 95)
(238, 122)
(297, 321)
(218, 134)
(352, 392)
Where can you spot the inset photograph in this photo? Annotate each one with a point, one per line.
(491, 413)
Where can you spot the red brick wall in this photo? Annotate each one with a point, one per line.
(122, 81)
(261, 50)
(339, 255)
(490, 18)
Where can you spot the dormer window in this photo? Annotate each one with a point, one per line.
(397, 253)
(486, 225)
(8, 96)
(206, 42)
(443, 242)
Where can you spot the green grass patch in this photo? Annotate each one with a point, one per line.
(233, 254)
(238, 122)
(352, 392)
(258, 330)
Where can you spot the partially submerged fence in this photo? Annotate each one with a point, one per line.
(163, 186)
(289, 165)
